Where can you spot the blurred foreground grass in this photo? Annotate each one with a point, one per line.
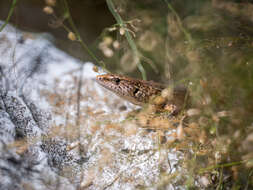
(208, 46)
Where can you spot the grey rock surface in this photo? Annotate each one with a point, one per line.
(52, 145)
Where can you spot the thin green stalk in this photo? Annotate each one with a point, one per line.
(14, 2)
(186, 33)
(128, 36)
(203, 170)
(220, 180)
(248, 179)
(71, 22)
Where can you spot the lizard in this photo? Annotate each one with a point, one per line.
(142, 92)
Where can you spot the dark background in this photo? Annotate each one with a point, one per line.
(91, 17)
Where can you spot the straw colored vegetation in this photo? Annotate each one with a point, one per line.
(207, 46)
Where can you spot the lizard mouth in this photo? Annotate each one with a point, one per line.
(108, 83)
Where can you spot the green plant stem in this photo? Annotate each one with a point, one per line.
(186, 33)
(220, 180)
(71, 22)
(14, 2)
(128, 36)
(203, 170)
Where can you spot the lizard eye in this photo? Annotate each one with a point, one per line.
(117, 80)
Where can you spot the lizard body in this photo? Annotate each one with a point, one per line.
(138, 91)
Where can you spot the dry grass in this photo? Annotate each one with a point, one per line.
(205, 46)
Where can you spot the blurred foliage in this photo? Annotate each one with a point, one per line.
(208, 46)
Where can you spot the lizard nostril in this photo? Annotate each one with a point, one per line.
(98, 78)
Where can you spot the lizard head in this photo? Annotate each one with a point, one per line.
(134, 90)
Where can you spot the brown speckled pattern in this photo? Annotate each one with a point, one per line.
(134, 90)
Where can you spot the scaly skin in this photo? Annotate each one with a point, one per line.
(138, 91)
